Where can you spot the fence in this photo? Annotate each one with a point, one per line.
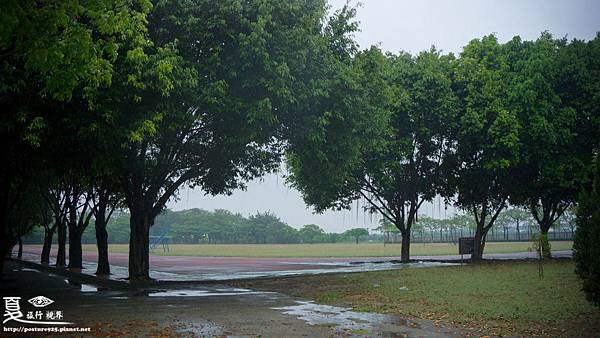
(494, 235)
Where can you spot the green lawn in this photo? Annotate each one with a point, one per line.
(325, 250)
(490, 299)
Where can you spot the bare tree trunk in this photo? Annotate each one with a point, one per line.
(48, 236)
(139, 264)
(551, 210)
(102, 245)
(478, 246)
(4, 252)
(74, 235)
(20, 252)
(61, 259)
(405, 248)
(75, 252)
(544, 241)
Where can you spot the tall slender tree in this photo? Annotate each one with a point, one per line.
(105, 199)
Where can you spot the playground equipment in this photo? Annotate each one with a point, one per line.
(161, 240)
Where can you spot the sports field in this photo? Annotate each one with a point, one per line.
(325, 250)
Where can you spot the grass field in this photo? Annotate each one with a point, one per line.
(490, 299)
(325, 250)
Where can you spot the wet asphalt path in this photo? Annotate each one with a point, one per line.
(199, 310)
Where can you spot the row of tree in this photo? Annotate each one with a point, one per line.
(119, 103)
(194, 226)
(513, 123)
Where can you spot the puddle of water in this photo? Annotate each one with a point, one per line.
(234, 290)
(343, 318)
(88, 288)
(348, 267)
(28, 269)
(82, 287)
(205, 293)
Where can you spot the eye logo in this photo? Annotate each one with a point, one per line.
(40, 301)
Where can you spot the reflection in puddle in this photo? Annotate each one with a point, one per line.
(28, 269)
(205, 293)
(88, 288)
(82, 287)
(344, 318)
(345, 267)
(234, 290)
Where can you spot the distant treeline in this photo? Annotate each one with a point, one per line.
(198, 226)
(195, 226)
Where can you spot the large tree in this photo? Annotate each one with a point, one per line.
(556, 99)
(487, 136)
(388, 144)
(217, 87)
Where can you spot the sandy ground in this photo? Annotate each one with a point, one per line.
(198, 310)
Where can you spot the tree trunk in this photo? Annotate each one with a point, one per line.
(139, 264)
(20, 252)
(518, 231)
(478, 244)
(75, 252)
(356, 240)
(48, 235)
(102, 245)
(550, 213)
(61, 259)
(405, 248)
(546, 251)
(4, 250)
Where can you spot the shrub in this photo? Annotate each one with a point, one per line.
(586, 246)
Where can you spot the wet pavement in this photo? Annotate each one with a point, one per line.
(197, 269)
(192, 268)
(200, 310)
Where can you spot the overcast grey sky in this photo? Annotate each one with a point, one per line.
(411, 26)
